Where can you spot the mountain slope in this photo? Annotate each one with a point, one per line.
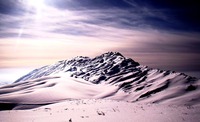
(108, 76)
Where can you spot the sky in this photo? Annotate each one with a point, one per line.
(161, 34)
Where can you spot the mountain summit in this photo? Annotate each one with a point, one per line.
(94, 70)
(110, 75)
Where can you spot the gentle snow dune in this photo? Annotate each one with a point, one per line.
(53, 89)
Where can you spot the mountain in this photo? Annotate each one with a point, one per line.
(94, 70)
(108, 76)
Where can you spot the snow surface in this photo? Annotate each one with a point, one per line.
(91, 110)
(109, 87)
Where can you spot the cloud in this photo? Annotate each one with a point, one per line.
(137, 29)
(182, 15)
(127, 14)
(87, 4)
(168, 43)
(11, 7)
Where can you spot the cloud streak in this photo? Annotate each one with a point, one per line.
(132, 27)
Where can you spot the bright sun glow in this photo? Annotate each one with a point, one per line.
(38, 4)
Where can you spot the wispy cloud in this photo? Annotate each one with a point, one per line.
(136, 29)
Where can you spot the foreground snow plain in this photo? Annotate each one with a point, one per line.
(98, 110)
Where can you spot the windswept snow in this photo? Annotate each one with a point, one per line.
(91, 110)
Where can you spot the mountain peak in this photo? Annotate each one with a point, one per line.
(105, 65)
(112, 53)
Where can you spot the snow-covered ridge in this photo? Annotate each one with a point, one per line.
(94, 70)
(108, 76)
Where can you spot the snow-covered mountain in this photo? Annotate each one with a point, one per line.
(101, 68)
(94, 70)
(108, 76)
